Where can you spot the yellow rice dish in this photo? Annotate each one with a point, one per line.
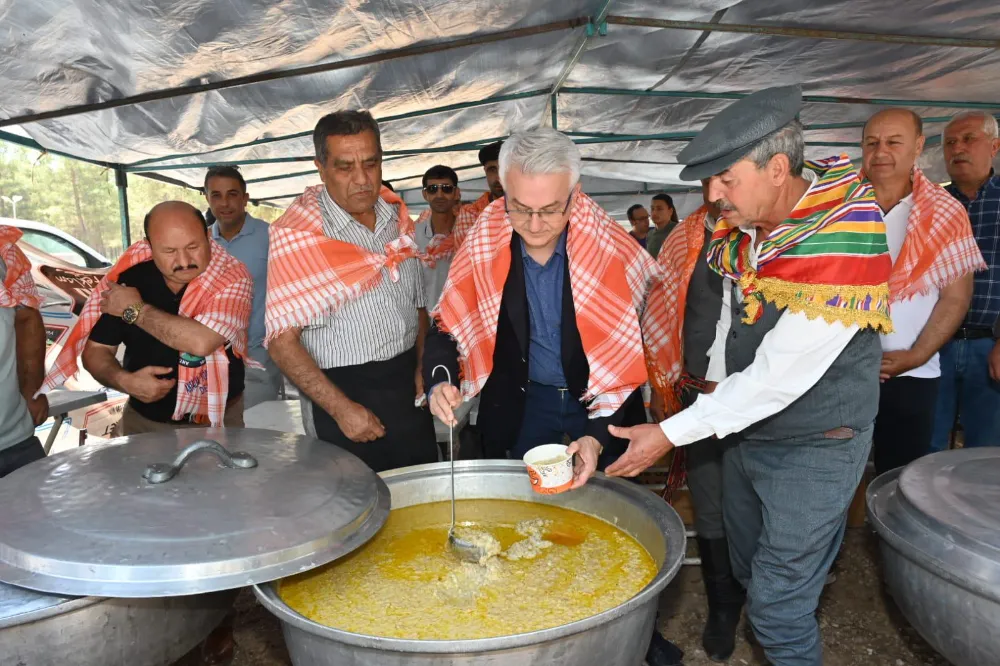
(557, 566)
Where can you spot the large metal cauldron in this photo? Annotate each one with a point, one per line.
(154, 535)
(42, 630)
(617, 637)
(939, 523)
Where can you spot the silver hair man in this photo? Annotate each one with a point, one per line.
(789, 140)
(540, 151)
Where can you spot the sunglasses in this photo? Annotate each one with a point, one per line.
(433, 189)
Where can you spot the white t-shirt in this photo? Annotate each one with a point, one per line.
(434, 278)
(910, 316)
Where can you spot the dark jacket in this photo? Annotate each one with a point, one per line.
(501, 406)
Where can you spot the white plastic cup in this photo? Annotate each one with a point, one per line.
(550, 468)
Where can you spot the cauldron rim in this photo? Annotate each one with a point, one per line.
(668, 521)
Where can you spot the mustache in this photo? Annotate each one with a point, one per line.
(961, 157)
(189, 267)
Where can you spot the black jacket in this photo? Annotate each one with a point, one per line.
(501, 406)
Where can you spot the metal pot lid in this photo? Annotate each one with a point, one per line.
(18, 604)
(959, 493)
(115, 520)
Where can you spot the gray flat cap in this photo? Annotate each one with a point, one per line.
(738, 129)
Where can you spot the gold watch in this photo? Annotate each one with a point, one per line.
(130, 315)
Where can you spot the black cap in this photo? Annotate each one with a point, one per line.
(737, 130)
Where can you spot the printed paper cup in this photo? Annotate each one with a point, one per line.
(550, 468)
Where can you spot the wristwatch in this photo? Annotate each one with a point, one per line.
(130, 315)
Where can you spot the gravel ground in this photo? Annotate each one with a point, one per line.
(860, 625)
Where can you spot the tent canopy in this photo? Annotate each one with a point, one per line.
(166, 87)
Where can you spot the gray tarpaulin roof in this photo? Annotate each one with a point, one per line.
(163, 87)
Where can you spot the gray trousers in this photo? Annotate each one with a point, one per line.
(785, 511)
(704, 477)
(704, 481)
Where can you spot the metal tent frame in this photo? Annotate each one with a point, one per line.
(593, 29)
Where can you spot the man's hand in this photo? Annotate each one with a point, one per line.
(710, 387)
(146, 385)
(38, 408)
(657, 409)
(358, 423)
(994, 360)
(646, 445)
(117, 298)
(445, 399)
(587, 450)
(897, 362)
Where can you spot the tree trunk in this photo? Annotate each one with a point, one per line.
(81, 223)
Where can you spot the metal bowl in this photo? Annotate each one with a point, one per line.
(616, 637)
(939, 554)
(37, 629)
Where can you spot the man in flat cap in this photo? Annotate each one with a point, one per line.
(796, 359)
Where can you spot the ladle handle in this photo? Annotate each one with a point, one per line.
(451, 450)
(163, 472)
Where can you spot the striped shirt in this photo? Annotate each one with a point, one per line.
(381, 323)
(984, 213)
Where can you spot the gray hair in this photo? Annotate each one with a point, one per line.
(538, 151)
(989, 122)
(343, 123)
(788, 140)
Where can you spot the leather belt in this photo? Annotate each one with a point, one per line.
(973, 333)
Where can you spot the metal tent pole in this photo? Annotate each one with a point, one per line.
(121, 180)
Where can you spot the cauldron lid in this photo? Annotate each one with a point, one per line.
(959, 491)
(17, 603)
(87, 522)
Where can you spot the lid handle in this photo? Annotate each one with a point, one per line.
(162, 472)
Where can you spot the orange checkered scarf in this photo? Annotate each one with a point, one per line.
(219, 298)
(468, 216)
(617, 293)
(441, 246)
(310, 274)
(18, 287)
(678, 257)
(939, 246)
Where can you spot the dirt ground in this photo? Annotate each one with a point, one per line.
(859, 623)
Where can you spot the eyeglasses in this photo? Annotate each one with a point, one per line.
(518, 215)
(433, 189)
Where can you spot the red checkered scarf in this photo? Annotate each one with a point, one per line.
(219, 298)
(310, 274)
(468, 216)
(939, 246)
(18, 287)
(678, 257)
(613, 280)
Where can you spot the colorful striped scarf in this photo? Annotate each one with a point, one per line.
(829, 259)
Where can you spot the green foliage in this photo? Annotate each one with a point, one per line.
(82, 200)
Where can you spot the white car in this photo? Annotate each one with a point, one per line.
(65, 271)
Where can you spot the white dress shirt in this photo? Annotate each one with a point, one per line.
(791, 358)
(910, 316)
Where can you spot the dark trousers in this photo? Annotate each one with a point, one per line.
(905, 422)
(388, 389)
(19, 455)
(550, 415)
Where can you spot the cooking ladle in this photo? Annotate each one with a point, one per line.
(463, 548)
